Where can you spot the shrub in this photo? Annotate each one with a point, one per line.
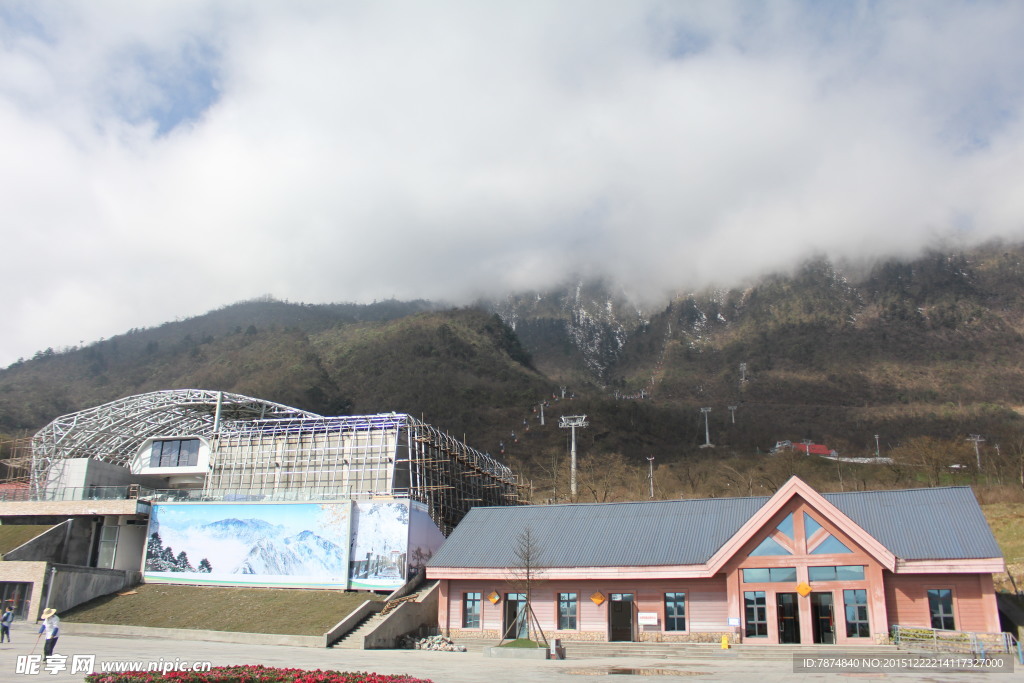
(251, 674)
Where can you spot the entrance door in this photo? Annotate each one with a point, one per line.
(788, 613)
(516, 624)
(620, 617)
(823, 618)
(15, 594)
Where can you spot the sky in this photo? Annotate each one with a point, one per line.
(163, 159)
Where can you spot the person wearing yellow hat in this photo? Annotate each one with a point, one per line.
(51, 627)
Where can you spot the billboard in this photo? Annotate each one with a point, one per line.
(260, 544)
(366, 545)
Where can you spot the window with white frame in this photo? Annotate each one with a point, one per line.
(675, 611)
(471, 610)
(567, 607)
(940, 605)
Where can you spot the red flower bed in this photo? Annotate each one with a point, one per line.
(250, 674)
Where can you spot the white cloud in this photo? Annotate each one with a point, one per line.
(335, 151)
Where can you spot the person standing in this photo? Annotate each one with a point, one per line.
(51, 628)
(5, 624)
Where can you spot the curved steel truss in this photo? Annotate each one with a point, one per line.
(261, 450)
(114, 431)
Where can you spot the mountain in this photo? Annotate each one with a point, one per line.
(304, 554)
(582, 328)
(928, 348)
(244, 530)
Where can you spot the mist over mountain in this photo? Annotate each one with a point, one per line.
(902, 349)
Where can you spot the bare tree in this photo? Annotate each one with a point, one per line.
(610, 477)
(934, 458)
(522, 578)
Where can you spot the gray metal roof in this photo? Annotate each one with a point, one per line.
(922, 524)
(683, 532)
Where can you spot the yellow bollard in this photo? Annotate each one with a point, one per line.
(725, 642)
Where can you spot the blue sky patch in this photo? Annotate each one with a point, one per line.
(165, 88)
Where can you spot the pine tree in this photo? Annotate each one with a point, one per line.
(182, 564)
(155, 554)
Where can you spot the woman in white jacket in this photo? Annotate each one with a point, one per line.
(50, 627)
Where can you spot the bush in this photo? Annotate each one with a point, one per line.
(251, 674)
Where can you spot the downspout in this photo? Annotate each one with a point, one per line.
(49, 587)
(67, 541)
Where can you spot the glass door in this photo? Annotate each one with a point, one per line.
(788, 614)
(823, 618)
(516, 624)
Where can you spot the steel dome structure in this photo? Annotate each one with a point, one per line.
(260, 450)
(114, 431)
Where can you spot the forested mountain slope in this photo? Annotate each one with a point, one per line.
(929, 348)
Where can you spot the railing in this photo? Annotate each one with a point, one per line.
(941, 640)
(134, 491)
(70, 493)
(254, 495)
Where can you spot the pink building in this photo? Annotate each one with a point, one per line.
(798, 567)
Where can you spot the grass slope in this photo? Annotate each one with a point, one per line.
(217, 608)
(14, 535)
(1005, 520)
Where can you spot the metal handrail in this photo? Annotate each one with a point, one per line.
(975, 642)
(137, 492)
(72, 493)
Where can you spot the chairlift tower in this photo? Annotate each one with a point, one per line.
(650, 459)
(976, 438)
(572, 422)
(732, 411)
(707, 430)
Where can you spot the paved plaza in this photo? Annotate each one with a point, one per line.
(440, 667)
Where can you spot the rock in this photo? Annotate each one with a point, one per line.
(436, 643)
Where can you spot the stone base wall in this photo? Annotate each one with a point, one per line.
(698, 637)
(600, 637)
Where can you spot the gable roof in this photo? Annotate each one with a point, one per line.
(671, 532)
(691, 532)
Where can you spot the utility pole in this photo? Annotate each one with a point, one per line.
(732, 410)
(877, 453)
(707, 430)
(743, 372)
(976, 438)
(572, 422)
(650, 459)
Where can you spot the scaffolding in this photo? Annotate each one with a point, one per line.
(15, 463)
(391, 455)
(267, 451)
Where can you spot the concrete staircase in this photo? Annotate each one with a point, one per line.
(355, 638)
